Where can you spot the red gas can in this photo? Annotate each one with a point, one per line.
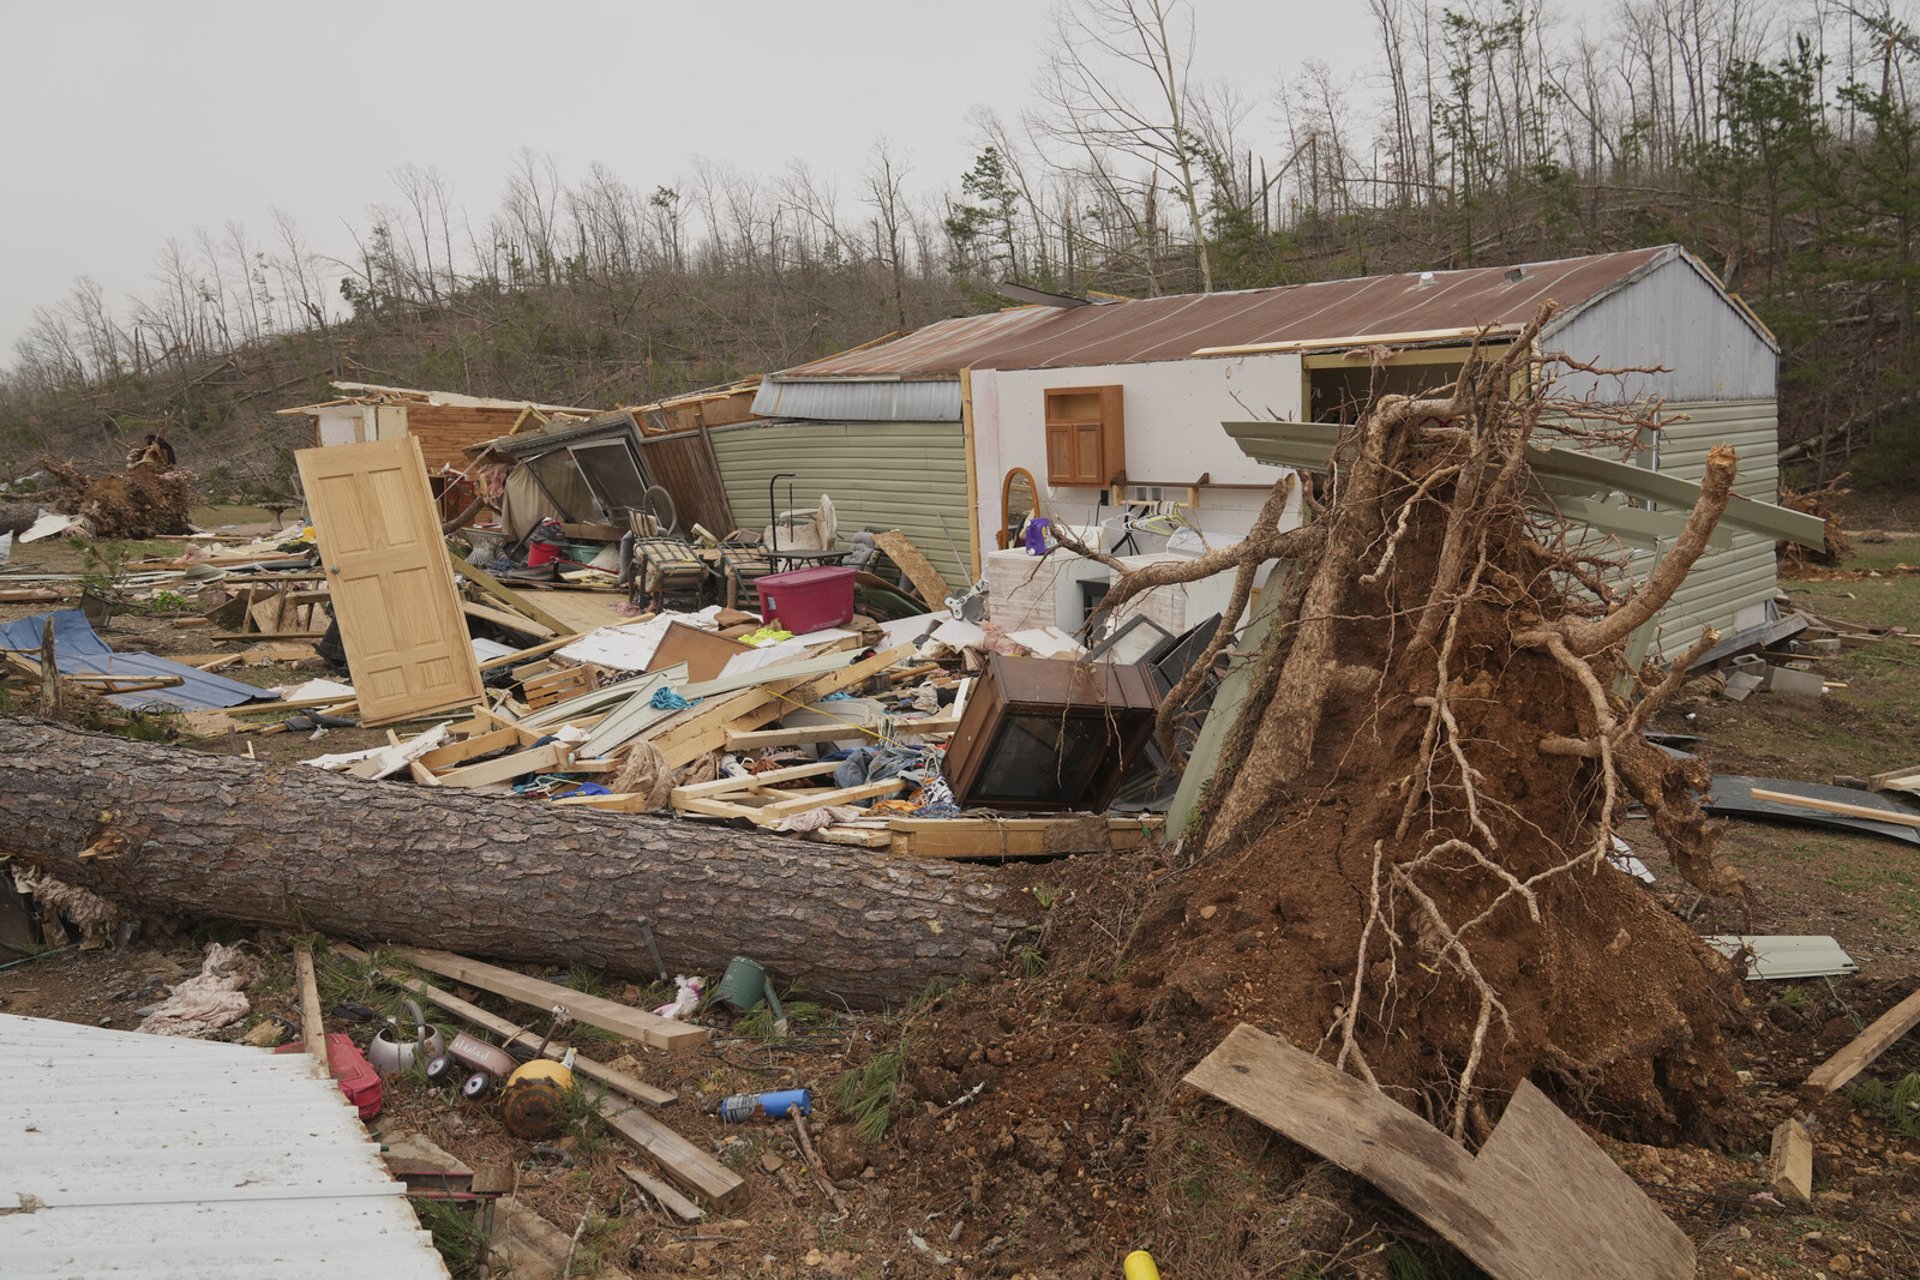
(358, 1080)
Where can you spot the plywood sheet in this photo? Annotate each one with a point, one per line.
(578, 611)
(1540, 1195)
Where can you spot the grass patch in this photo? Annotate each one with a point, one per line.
(1896, 1104)
(456, 1237)
(867, 1093)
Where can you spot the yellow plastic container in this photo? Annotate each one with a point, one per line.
(1140, 1266)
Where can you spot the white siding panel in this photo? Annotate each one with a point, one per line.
(1675, 319)
(880, 475)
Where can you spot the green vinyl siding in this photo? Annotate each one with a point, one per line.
(1723, 583)
(881, 475)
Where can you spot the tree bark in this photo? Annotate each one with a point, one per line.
(169, 832)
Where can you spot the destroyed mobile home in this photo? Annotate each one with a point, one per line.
(1368, 805)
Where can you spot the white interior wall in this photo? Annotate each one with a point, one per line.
(343, 424)
(1173, 412)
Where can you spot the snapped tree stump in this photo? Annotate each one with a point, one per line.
(168, 832)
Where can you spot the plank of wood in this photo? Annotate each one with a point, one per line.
(720, 786)
(687, 1164)
(845, 795)
(1880, 781)
(1859, 1054)
(581, 609)
(855, 837)
(632, 1086)
(475, 746)
(685, 741)
(511, 620)
(313, 1030)
(491, 585)
(636, 1024)
(524, 655)
(1020, 837)
(1897, 818)
(547, 759)
(267, 635)
(804, 736)
(1790, 1162)
(1539, 1194)
(615, 802)
(672, 1200)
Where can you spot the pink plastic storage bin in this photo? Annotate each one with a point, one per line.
(803, 600)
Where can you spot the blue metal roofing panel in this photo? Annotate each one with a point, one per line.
(77, 648)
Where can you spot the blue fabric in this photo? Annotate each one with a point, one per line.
(665, 699)
(76, 648)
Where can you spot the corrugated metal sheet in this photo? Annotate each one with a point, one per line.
(154, 1156)
(858, 400)
(616, 425)
(1174, 328)
(76, 649)
(1675, 319)
(684, 466)
(880, 475)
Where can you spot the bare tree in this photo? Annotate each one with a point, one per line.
(1116, 83)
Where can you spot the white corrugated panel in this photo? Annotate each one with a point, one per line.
(141, 1155)
(880, 475)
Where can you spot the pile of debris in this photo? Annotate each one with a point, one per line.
(150, 498)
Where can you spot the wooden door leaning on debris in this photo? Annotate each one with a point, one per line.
(400, 619)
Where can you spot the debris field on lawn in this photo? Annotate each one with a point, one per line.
(766, 903)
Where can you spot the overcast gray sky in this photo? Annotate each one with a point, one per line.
(125, 123)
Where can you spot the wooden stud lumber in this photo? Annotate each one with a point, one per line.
(525, 655)
(845, 795)
(1790, 1163)
(615, 802)
(804, 736)
(515, 621)
(491, 585)
(856, 837)
(1020, 837)
(632, 1087)
(1859, 1054)
(720, 786)
(672, 1200)
(636, 1024)
(707, 730)
(1895, 817)
(313, 1034)
(476, 745)
(551, 758)
(693, 1168)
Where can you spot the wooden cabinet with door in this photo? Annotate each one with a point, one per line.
(1086, 436)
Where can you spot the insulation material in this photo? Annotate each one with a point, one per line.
(209, 1000)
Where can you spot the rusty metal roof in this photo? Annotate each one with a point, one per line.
(1176, 328)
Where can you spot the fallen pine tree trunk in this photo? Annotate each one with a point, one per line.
(175, 833)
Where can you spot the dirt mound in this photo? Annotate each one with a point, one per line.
(146, 500)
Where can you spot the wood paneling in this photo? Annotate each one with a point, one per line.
(684, 466)
(445, 431)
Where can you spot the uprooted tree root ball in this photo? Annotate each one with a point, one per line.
(1405, 865)
(146, 500)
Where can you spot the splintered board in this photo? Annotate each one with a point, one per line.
(649, 1029)
(1540, 1199)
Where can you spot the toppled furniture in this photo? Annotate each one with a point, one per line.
(1042, 735)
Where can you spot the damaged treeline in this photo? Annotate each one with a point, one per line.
(1422, 796)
